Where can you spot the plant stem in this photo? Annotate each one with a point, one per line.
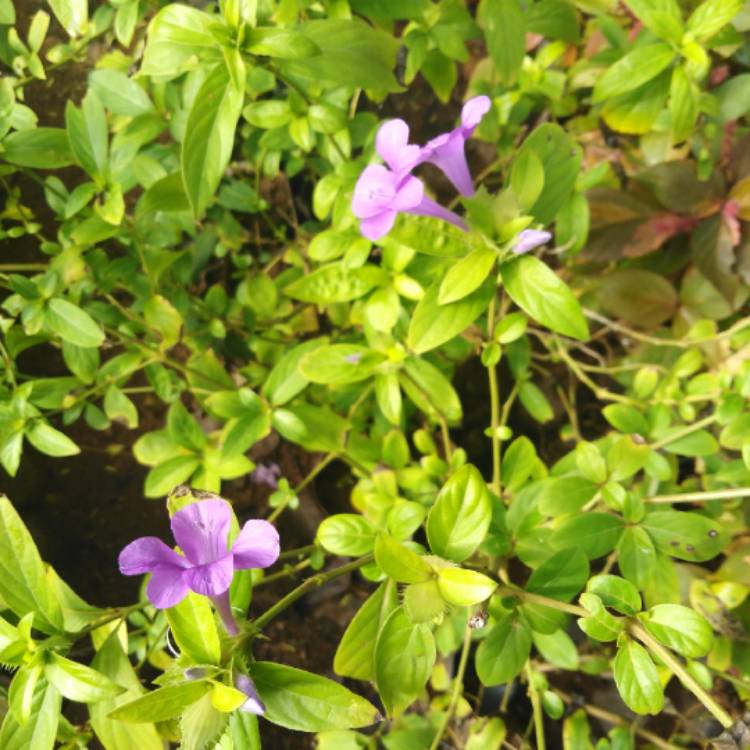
(617, 720)
(297, 552)
(308, 585)
(458, 684)
(301, 486)
(536, 705)
(497, 478)
(679, 671)
(544, 601)
(688, 430)
(696, 497)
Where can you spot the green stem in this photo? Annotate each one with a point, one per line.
(536, 705)
(458, 684)
(497, 476)
(544, 601)
(698, 497)
(688, 430)
(679, 671)
(308, 585)
(301, 486)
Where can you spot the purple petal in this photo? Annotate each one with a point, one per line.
(375, 227)
(201, 530)
(167, 586)
(473, 112)
(257, 545)
(144, 554)
(448, 155)
(213, 578)
(409, 195)
(374, 191)
(253, 704)
(392, 144)
(266, 475)
(529, 239)
(429, 207)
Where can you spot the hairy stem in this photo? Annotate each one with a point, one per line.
(458, 685)
(308, 585)
(536, 704)
(701, 497)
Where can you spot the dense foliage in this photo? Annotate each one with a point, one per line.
(547, 446)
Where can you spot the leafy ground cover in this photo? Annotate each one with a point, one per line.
(374, 374)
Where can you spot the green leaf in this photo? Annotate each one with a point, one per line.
(680, 628)
(466, 275)
(686, 536)
(306, 702)
(683, 104)
(162, 479)
(504, 651)
(538, 291)
(161, 704)
(38, 148)
(355, 655)
(637, 67)
(554, 19)
(202, 724)
(351, 54)
(316, 428)
(209, 137)
(23, 581)
(636, 111)
(119, 94)
(184, 428)
(47, 439)
(557, 648)
(194, 629)
(637, 556)
(433, 324)
(430, 390)
(285, 380)
(616, 592)
(505, 31)
(535, 402)
(72, 15)
(40, 731)
(460, 518)
(698, 443)
(177, 36)
(561, 576)
(335, 283)
(637, 679)
(117, 735)
(72, 323)
(563, 495)
(119, 408)
(88, 134)
(77, 682)
(399, 562)
(337, 364)
(599, 623)
(594, 533)
(22, 690)
(561, 158)
(711, 16)
(287, 44)
(527, 178)
(404, 657)
(464, 587)
(346, 534)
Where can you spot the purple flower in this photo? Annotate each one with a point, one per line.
(253, 704)
(447, 150)
(202, 531)
(266, 475)
(392, 144)
(529, 239)
(380, 195)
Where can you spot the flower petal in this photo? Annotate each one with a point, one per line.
(253, 704)
(449, 156)
(429, 207)
(144, 554)
(473, 112)
(374, 191)
(392, 144)
(202, 529)
(167, 586)
(529, 239)
(257, 545)
(213, 578)
(410, 194)
(374, 227)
